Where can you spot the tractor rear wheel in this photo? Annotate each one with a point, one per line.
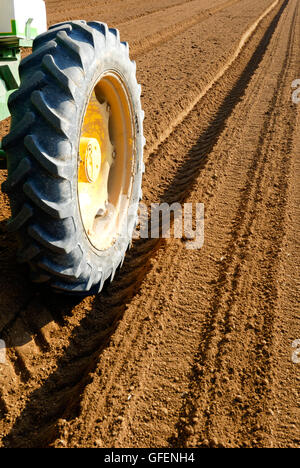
(75, 156)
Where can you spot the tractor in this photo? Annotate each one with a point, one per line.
(74, 152)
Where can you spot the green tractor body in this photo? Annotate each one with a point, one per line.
(20, 23)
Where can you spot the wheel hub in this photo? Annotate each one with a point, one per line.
(96, 158)
(106, 161)
(90, 156)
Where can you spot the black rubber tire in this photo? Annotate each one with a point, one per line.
(42, 151)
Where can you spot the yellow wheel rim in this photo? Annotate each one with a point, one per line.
(106, 161)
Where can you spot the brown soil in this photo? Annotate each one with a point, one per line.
(186, 348)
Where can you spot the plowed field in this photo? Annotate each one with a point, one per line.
(185, 348)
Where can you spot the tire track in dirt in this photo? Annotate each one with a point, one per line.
(176, 87)
(84, 355)
(180, 117)
(176, 5)
(287, 332)
(282, 118)
(148, 42)
(108, 12)
(214, 334)
(266, 329)
(108, 427)
(219, 294)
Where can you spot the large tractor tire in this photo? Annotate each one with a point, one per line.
(75, 156)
